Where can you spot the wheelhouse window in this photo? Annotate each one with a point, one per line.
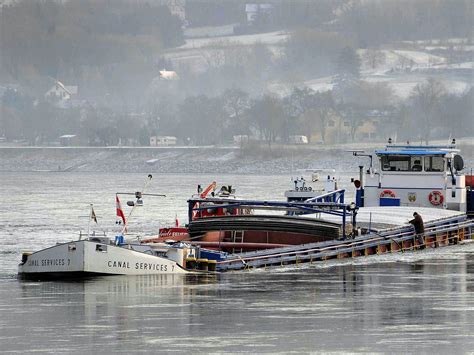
(434, 164)
(401, 163)
(416, 164)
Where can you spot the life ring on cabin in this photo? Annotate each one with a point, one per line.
(387, 193)
(436, 198)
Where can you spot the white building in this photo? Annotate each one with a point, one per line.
(162, 141)
(63, 96)
(168, 75)
(254, 11)
(61, 92)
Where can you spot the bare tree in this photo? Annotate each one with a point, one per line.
(236, 104)
(426, 99)
(348, 62)
(374, 57)
(202, 119)
(354, 116)
(368, 95)
(267, 115)
(299, 108)
(325, 105)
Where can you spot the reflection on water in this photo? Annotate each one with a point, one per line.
(404, 303)
(401, 307)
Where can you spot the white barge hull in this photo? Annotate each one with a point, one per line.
(89, 258)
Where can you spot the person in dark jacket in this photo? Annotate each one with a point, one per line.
(417, 222)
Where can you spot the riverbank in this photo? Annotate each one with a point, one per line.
(221, 160)
(165, 160)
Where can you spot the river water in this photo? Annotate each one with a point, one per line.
(408, 303)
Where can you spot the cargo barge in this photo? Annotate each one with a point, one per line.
(225, 233)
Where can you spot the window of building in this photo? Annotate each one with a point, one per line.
(331, 123)
(347, 124)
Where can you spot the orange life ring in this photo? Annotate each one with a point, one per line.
(387, 193)
(436, 198)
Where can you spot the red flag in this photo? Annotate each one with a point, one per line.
(119, 209)
(176, 221)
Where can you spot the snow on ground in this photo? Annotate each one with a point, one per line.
(403, 85)
(209, 31)
(465, 65)
(400, 60)
(402, 69)
(278, 37)
(389, 217)
(420, 58)
(460, 40)
(223, 158)
(455, 48)
(321, 84)
(392, 61)
(198, 54)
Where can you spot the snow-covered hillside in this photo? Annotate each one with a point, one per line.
(402, 68)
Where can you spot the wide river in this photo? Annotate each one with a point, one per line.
(419, 302)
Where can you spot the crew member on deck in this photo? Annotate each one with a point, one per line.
(417, 222)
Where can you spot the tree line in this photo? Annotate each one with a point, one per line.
(112, 50)
(372, 23)
(369, 23)
(430, 112)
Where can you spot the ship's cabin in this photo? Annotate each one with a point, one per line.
(409, 160)
(416, 176)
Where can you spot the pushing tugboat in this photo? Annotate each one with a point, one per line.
(306, 228)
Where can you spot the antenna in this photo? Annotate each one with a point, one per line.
(361, 153)
(138, 195)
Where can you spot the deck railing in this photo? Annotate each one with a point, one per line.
(336, 196)
(404, 239)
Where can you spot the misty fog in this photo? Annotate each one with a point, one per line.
(234, 73)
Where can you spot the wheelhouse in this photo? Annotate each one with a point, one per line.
(413, 161)
(417, 176)
(419, 160)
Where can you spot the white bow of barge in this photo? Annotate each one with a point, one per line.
(101, 256)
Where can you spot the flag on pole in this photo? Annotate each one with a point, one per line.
(93, 216)
(119, 209)
(176, 220)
